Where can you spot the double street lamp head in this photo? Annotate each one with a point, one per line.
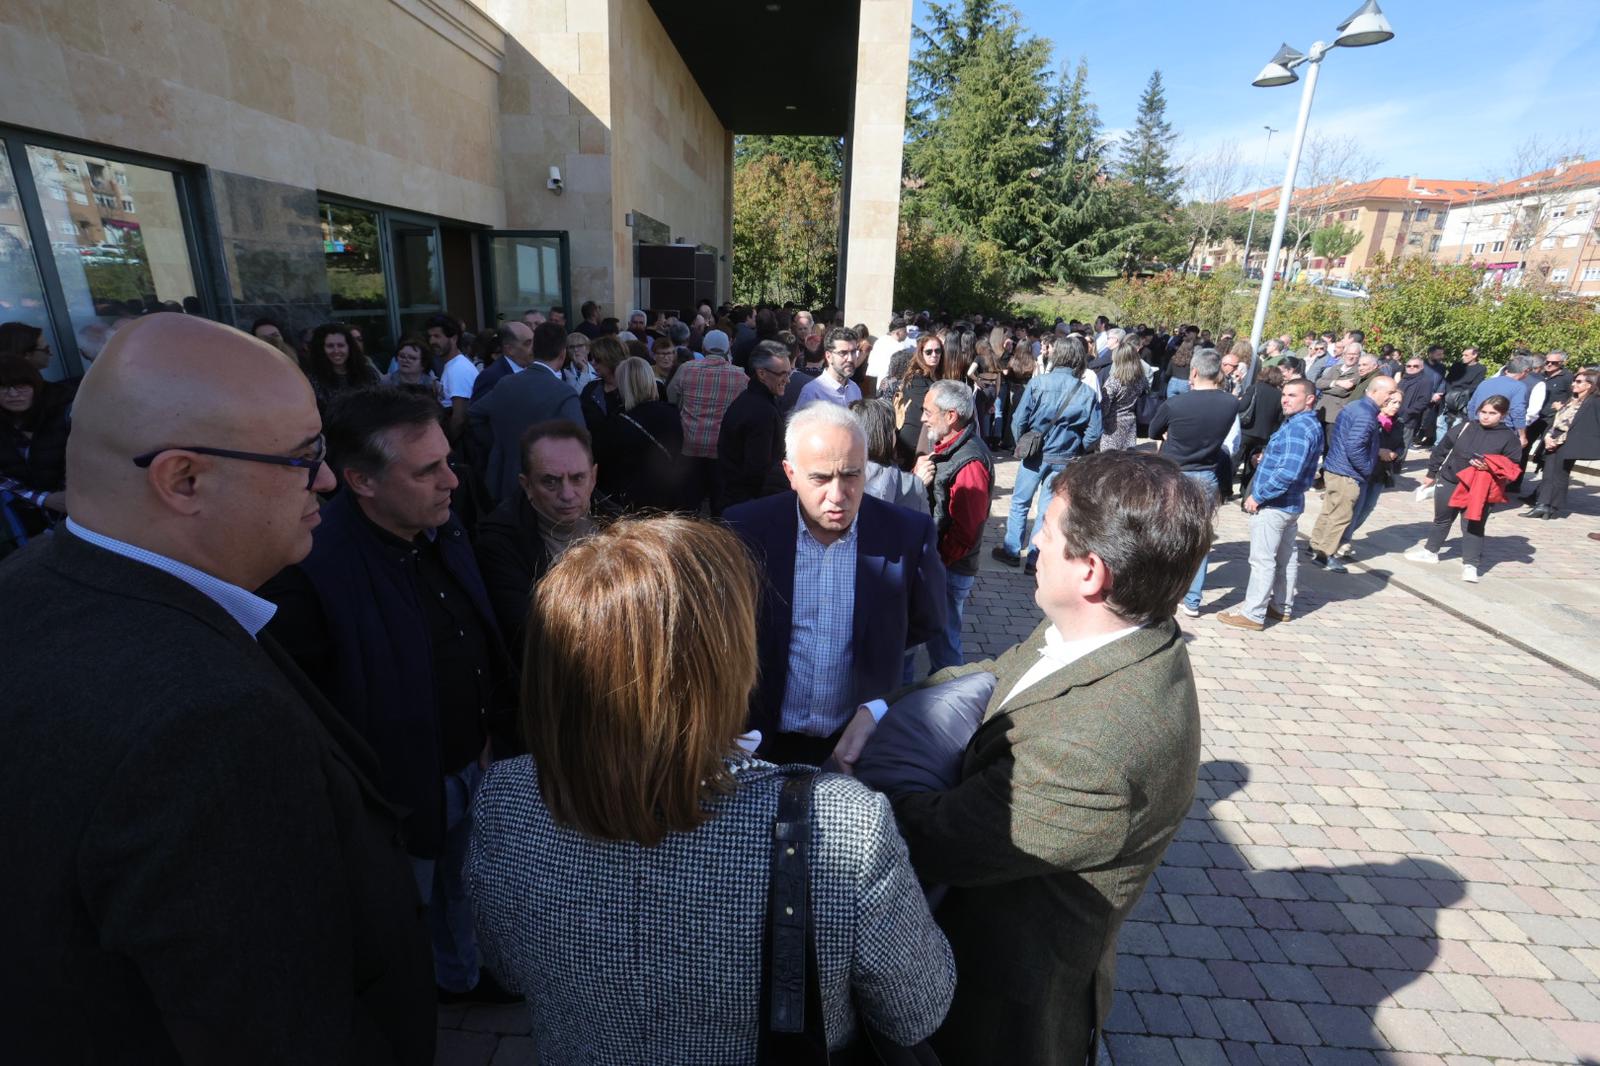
(1367, 26)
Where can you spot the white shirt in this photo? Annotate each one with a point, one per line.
(1535, 400)
(883, 352)
(245, 607)
(1059, 653)
(457, 379)
(825, 387)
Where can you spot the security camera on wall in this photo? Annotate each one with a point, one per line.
(554, 184)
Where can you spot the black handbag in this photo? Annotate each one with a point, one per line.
(792, 1033)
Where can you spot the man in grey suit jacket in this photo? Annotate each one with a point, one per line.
(199, 867)
(500, 417)
(1080, 774)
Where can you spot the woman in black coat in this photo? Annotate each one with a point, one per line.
(1468, 444)
(642, 468)
(1574, 434)
(33, 447)
(1259, 417)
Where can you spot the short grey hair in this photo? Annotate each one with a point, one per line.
(1206, 365)
(1523, 364)
(820, 414)
(766, 353)
(1114, 337)
(679, 332)
(1557, 353)
(953, 396)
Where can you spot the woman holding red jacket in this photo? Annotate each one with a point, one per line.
(1476, 446)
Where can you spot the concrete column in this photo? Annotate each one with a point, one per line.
(872, 183)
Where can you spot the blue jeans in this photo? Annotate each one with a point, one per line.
(944, 649)
(1029, 480)
(444, 893)
(1207, 478)
(1176, 386)
(1366, 503)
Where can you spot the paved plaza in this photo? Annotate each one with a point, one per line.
(1394, 847)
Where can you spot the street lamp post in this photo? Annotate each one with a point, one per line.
(1251, 229)
(1367, 26)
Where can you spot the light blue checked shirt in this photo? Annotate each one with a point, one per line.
(245, 607)
(816, 701)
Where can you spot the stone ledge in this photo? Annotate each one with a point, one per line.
(462, 24)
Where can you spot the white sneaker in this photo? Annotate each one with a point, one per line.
(1419, 554)
(1469, 573)
(1192, 612)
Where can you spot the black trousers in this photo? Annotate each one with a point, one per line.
(1011, 394)
(1553, 486)
(1444, 516)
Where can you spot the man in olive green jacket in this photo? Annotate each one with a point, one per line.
(1080, 774)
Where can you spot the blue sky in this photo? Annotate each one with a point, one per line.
(1460, 86)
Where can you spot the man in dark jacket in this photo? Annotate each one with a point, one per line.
(1352, 459)
(1417, 388)
(750, 442)
(498, 419)
(200, 867)
(1460, 382)
(389, 616)
(522, 538)
(850, 583)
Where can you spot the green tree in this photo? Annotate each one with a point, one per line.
(824, 153)
(1148, 183)
(1334, 242)
(1074, 207)
(943, 271)
(980, 171)
(785, 233)
(942, 48)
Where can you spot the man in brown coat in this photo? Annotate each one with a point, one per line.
(1080, 774)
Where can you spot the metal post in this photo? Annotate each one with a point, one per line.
(1313, 65)
(1251, 230)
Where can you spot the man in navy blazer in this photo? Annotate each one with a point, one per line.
(851, 583)
(498, 419)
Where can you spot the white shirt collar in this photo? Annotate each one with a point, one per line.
(1059, 653)
(245, 607)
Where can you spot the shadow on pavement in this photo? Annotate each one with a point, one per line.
(1219, 949)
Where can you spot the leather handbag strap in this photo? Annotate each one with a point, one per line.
(791, 997)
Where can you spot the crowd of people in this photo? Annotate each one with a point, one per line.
(501, 673)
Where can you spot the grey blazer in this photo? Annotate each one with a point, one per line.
(1069, 796)
(630, 955)
(497, 420)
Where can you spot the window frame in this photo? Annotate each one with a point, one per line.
(188, 186)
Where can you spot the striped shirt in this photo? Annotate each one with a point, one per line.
(816, 700)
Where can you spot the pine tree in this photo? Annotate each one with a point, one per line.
(1074, 204)
(941, 51)
(1147, 187)
(824, 153)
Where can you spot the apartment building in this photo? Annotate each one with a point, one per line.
(1536, 227)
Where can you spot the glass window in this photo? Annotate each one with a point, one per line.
(527, 274)
(1559, 275)
(112, 265)
(1591, 273)
(419, 291)
(354, 258)
(21, 293)
(1499, 246)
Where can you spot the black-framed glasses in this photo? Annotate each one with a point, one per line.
(311, 464)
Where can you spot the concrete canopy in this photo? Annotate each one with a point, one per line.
(770, 66)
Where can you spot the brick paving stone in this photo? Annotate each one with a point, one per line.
(1537, 1040)
(1280, 1055)
(1343, 1026)
(1289, 982)
(1350, 986)
(1413, 1030)
(1582, 1037)
(1163, 1014)
(1201, 1018)
(1287, 1023)
(1482, 1034)
(1518, 995)
(1239, 1020)
(1582, 1003)
(1154, 1051)
(515, 1051)
(1194, 1052)
(1195, 941)
(1309, 948)
(1124, 1016)
(1179, 976)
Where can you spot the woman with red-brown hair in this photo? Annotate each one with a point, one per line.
(622, 866)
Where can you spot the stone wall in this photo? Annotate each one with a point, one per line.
(357, 97)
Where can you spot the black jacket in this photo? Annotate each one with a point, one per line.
(750, 446)
(1583, 439)
(513, 557)
(641, 459)
(1416, 395)
(1467, 439)
(1260, 413)
(199, 867)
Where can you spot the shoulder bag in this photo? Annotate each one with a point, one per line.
(792, 1032)
(1030, 445)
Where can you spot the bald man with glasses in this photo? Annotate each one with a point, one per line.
(205, 871)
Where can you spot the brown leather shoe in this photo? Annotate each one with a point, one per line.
(1239, 621)
(1279, 614)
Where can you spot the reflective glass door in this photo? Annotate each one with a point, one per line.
(528, 271)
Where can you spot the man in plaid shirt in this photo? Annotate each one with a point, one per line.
(702, 390)
(1277, 498)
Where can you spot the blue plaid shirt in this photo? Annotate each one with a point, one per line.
(1289, 464)
(816, 700)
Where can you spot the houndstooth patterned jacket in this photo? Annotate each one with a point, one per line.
(632, 955)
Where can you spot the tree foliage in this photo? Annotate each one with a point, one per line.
(942, 48)
(824, 153)
(1075, 206)
(941, 270)
(785, 232)
(1147, 187)
(1335, 241)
